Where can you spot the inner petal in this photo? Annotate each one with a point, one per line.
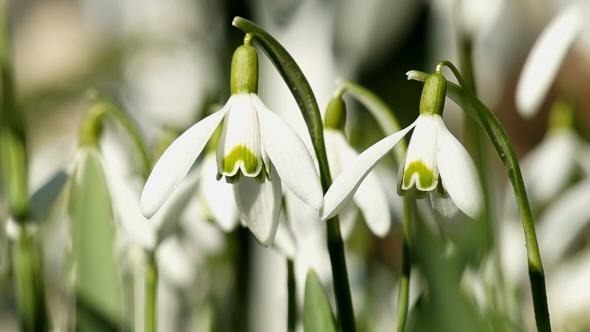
(239, 150)
(420, 167)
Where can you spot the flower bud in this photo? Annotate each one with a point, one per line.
(336, 114)
(433, 96)
(244, 70)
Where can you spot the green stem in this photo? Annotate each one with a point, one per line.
(497, 135)
(301, 90)
(151, 294)
(28, 278)
(478, 149)
(291, 297)
(404, 283)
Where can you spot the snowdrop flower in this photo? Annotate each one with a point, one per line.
(550, 166)
(256, 152)
(370, 197)
(546, 57)
(433, 153)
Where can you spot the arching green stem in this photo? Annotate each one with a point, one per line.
(301, 90)
(497, 135)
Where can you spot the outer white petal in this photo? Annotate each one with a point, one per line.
(217, 196)
(126, 204)
(457, 172)
(284, 241)
(289, 156)
(370, 196)
(422, 149)
(563, 222)
(168, 217)
(240, 129)
(548, 167)
(176, 161)
(259, 204)
(347, 217)
(545, 59)
(347, 182)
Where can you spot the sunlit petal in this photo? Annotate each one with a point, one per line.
(545, 59)
(550, 165)
(457, 172)
(420, 167)
(176, 161)
(239, 144)
(259, 204)
(370, 196)
(289, 156)
(347, 182)
(217, 196)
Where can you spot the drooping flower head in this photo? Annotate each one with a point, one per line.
(256, 153)
(434, 160)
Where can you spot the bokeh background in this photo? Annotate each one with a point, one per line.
(166, 64)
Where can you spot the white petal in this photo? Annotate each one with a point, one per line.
(370, 196)
(217, 196)
(240, 130)
(259, 204)
(347, 182)
(284, 241)
(549, 166)
(422, 150)
(563, 222)
(457, 172)
(176, 161)
(289, 156)
(168, 217)
(545, 59)
(126, 204)
(347, 217)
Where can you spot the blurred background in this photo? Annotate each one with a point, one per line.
(165, 63)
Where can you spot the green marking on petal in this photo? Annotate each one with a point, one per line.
(425, 175)
(241, 153)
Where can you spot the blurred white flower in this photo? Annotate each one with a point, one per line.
(546, 56)
(370, 197)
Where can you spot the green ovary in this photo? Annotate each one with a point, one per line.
(426, 176)
(241, 153)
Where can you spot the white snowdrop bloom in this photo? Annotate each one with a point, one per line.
(256, 153)
(551, 165)
(433, 154)
(216, 199)
(370, 198)
(546, 56)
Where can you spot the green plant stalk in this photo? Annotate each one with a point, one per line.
(478, 151)
(497, 135)
(29, 285)
(386, 119)
(301, 90)
(151, 294)
(136, 138)
(404, 283)
(474, 136)
(291, 297)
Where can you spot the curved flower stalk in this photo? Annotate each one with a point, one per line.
(370, 197)
(547, 55)
(256, 152)
(497, 135)
(433, 154)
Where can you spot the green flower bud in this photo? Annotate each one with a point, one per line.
(336, 114)
(433, 96)
(244, 70)
(562, 115)
(91, 128)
